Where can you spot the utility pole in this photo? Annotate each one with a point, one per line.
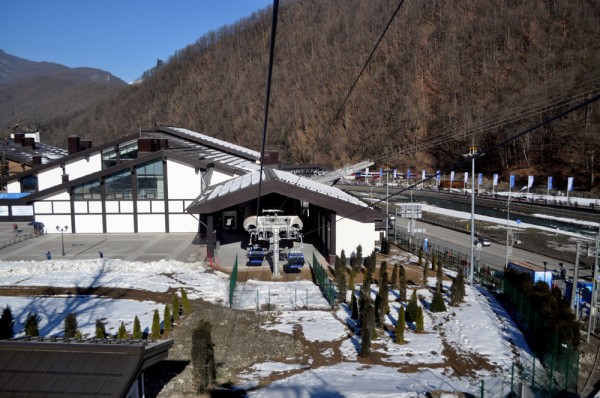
(595, 275)
(472, 153)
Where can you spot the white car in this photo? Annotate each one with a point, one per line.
(483, 241)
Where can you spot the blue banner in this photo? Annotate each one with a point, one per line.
(549, 183)
(480, 178)
(437, 176)
(512, 181)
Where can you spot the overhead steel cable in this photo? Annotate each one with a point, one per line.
(480, 154)
(267, 100)
(367, 62)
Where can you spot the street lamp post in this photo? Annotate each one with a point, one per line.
(508, 242)
(62, 236)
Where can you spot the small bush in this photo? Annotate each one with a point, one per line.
(185, 302)
(70, 325)
(100, 329)
(6, 324)
(167, 320)
(137, 329)
(176, 308)
(122, 333)
(400, 325)
(155, 335)
(32, 324)
(203, 357)
(437, 303)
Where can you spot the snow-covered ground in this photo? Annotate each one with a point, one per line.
(477, 327)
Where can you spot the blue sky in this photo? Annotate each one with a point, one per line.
(123, 37)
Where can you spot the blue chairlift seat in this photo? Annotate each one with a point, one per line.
(255, 255)
(295, 259)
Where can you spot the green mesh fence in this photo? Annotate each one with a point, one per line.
(323, 281)
(233, 281)
(558, 369)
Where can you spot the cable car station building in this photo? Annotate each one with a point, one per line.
(176, 180)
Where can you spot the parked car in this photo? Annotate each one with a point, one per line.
(483, 241)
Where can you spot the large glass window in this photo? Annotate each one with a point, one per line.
(118, 186)
(126, 152)
(29, 183)
(150, 180)
(89, 190)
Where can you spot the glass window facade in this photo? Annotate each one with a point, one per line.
(118, 186)
(88, 191)
(29, 183)
(126, 152)
(150, 180)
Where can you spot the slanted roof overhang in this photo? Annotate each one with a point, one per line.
(73, 368)
(208, 203)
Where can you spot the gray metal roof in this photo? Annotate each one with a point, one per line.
(56, 367)
(245, 188)
(23, 154)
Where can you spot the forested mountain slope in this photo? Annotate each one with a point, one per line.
(445, 75)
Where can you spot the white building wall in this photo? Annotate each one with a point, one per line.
(351, 233)
(13, 187)
(83, 167)
(88, 223)
(182, 223)
(218, 177)
(50, 178)
(184, 183)
(151, 223)
(119, 223)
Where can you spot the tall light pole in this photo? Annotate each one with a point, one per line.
(508, 242)
(472, 154)
(62, 236)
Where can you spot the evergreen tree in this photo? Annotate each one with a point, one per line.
(434, 262)
(70, 325)
(420, 325)
(155, 335)
(413, 307)
(400, 325)
(367, 329)
(122, 332)
(403, 284)
(343, 260)
(437, 303)
(6, 324)
(439, 278)
(351, 286)
(100, 329)
(364, 296)
(340, 276)
(353, 306)
(425, 274)
(185, 303)
(420, 260)
(394, 280)
(167, 319)
(32, 323)
(203, 357)
(381, 301)
(454, 293)
(137, 329)
(461, 284)
(176, 308)
(78, 335)
(359, 255)
(382, 270)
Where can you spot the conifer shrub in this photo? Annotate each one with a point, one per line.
(167, 320)
(176, 308)
(78, 335)
(203, 357)
(137, 329)
(367, 329)
(340, 277)
(185, 303)
(437, 303)
(420, 324)
(351, 286)
(434, 262)
(353, 306)
(382, 270)
(70, 325)
(382, 304)
(32, 323)
(439, 278)
(402, 284)
(394, 280)
(122, 332)
(455, 298)
(155, 334)
(100, 329)
(7, 323)
(425, 274)
(413, 307)
(400, 326)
